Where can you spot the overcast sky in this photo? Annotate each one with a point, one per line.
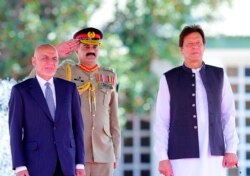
(235, 19)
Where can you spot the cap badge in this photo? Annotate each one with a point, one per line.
(91, 34)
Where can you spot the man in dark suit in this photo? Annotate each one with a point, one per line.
(45, 122)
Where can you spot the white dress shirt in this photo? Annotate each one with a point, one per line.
(42, 83)
(206, 165)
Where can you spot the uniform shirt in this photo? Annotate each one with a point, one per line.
(102, 137)
(202, 165)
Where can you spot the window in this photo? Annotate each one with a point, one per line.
(145, 125)
(232, 71)
(234, 88)
(145, 158)
(128, 158)
(128, 141)
(247, 72)
(247, 88)
(145, 141)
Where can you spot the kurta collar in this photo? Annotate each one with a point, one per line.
(187, 69)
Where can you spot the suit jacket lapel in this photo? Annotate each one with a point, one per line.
(37, 94)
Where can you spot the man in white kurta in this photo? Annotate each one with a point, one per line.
(206, 164)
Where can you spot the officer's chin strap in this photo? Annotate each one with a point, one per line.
(88, 85)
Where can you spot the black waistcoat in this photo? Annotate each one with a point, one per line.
(183, 130)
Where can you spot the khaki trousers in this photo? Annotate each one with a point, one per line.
(99, 169)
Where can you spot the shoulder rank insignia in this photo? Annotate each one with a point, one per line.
(107, 69)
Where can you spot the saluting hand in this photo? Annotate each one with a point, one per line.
(65, 49)
(165, 168)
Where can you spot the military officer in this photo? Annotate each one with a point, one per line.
(99, 104)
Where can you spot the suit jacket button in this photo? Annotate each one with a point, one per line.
(195, 127)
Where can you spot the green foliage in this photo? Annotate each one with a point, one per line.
(142, 31)
(25, 24)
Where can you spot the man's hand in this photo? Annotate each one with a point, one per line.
(165, 168)
(230, 160)
(65, 49)
(22, 173)
(80, 172)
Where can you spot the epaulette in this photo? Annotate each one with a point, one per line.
(108, 69)
(67, 64)
(67, 61)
